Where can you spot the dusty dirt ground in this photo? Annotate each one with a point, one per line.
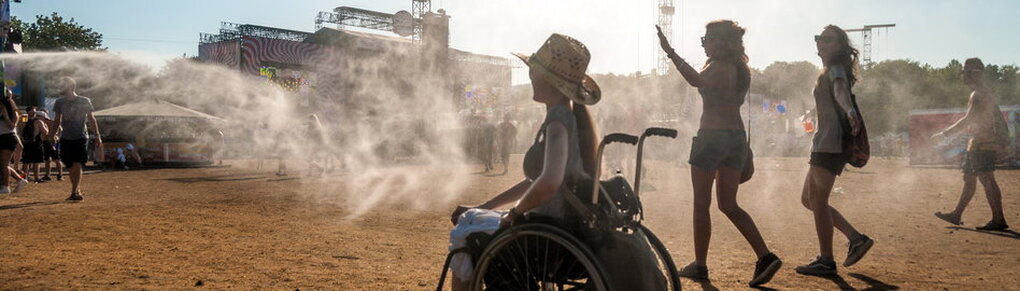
(242, 228)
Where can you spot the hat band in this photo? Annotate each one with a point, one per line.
(538, 61)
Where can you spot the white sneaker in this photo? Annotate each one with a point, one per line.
(5, 190)
(21, 185)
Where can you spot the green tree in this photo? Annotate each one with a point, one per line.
(56, 33)
(787, 81)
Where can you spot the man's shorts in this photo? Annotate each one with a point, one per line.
(33, 153)
(51, 151)
(9, 141)
(835, 163)
(978, 162)
(74, 151)
(713, 148)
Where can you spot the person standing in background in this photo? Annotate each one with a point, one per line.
(507, 140)
(75, 115)
(487, 143)
(51, 150)
(34, 132)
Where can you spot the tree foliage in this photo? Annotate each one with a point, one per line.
(888, 90)
(54, 32)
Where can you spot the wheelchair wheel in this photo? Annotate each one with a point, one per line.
(537, 256)
(666, 264)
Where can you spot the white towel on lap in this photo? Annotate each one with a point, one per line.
(471, 221)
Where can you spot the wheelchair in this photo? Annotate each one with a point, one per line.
(548, 254)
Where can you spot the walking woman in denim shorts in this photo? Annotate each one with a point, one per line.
(719, 150)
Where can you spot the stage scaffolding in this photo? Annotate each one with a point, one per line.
(234, 31)
(356, 17)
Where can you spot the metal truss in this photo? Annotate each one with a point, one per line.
(356, 17)
(230, 30)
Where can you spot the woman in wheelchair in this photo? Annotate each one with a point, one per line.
(564, 148)
(535, 247)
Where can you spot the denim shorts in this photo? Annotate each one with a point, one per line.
(833, 162)
(978, 162)
(713, 148)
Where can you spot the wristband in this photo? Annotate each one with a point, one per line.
(514, 214)
(671, 54)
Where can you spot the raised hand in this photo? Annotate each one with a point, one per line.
(663, 42)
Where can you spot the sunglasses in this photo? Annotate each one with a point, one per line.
(706, 38)
(819, 38)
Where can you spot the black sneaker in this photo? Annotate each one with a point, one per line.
(45, 178)
(764, 269)
(694, 271)
(857, 250)
(994, 226)
(949, 217)
(75, 197)
(818, 267)
(60, 178)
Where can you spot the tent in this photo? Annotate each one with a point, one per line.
(161, 131)
(157, 108)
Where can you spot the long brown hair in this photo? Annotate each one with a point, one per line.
(587, 137)
(847, 56)
(732, 36)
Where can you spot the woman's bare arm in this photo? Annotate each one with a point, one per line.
(40, 128)
(689, 73)
(841, 92)
(972, 107)
(509, 196)
(553, 169)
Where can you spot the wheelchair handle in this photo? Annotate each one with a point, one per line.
(621, 138)
(610, 138)
(651, 131)
(659, 131)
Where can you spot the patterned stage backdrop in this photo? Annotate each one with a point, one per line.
(225, 53)
(257, 51)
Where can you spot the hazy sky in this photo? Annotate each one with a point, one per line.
(620, 34)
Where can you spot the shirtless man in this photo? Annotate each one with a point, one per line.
(979, 160)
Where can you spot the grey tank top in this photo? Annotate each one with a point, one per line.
(828, 136)
(535, 159)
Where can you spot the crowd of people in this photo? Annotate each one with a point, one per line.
(720, 156)
(490, 143)
(39, 140)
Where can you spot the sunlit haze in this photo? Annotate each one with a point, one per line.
(620, 34)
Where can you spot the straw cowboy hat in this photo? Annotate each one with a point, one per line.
(562, 62)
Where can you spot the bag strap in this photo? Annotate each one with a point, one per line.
(748, 96)
(541, 132)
